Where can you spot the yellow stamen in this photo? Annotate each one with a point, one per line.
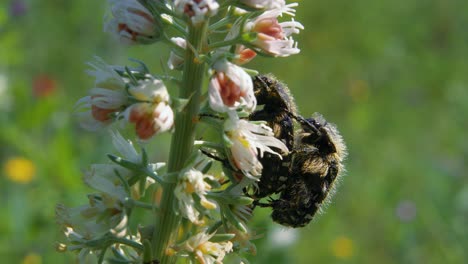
(244, 142)
(189, 188)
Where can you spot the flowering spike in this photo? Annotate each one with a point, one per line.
(212, 209)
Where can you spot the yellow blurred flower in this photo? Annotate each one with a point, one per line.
(20, 170)
(32, 258)
(343, 247)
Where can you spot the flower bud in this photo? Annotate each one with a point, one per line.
(197, 10)
(244, 55)
(132, 23)
(108, 97)
(230, 88)
(152, 114)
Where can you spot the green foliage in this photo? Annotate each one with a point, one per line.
(390, 74)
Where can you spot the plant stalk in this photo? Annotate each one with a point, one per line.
(182, 141)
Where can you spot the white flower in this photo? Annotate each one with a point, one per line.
(246, 142)
(230, 88)
(192, 183)
(153, 114)
(197, 10)
(264, 4)
(204, 251)
(104, 214)
(92, 221)
(132, 23)
(106, 98)
(274, 37)
(83, 234)
(175, 60)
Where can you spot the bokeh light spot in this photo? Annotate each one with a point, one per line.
(32, 258)
(20, 170)
(343, 247)
(43, 86)
(406, 211)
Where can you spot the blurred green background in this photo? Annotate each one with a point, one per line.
(393, 75)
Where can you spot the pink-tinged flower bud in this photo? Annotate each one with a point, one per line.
(197, 10)
(132, 23)
(244, 55)
(230, 88)
(273, 37)
(107, 98)
(153, 114)
(101, 114)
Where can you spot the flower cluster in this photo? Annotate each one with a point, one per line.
(117, 95)
(103, 222)
(190, 184)
(206, 211)
(201, 250)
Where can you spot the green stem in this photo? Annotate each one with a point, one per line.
(182, 141)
